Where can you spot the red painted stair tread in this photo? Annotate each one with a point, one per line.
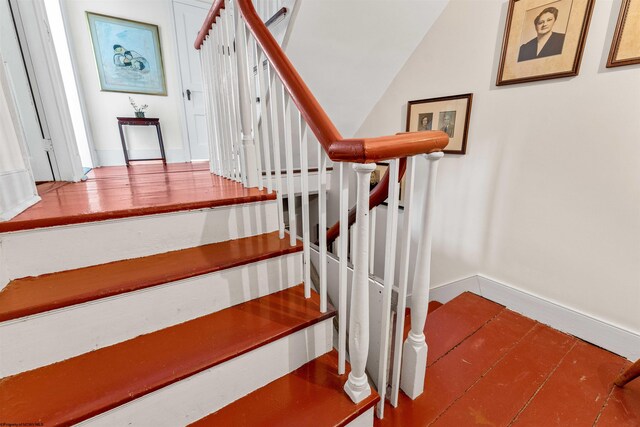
(79, 388)
(33, 295)
(121, 192)
(312, 395)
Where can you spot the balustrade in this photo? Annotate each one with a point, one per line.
(259, 113)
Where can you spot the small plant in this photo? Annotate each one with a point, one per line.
(139, 110)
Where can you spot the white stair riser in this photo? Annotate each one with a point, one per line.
(51, 249)
(364, 420)
(199, 395)
(57, 335)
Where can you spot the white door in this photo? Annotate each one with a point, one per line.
(189, 19)
(35, 131)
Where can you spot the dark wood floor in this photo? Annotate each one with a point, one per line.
(489, 366)
(141, 189)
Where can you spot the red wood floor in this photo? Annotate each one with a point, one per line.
(489, 366)
(140, 189)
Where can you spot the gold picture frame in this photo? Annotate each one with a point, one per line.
(543, 39)
(625, 47)
(449, 114)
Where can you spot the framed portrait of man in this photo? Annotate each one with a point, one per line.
(543, 39)
(449, 114)
(625, 48)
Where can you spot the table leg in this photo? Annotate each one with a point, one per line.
(124, 145)
(164, 157)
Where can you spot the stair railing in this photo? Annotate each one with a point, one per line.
(250, 115)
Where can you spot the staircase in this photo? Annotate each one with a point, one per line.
(161, 331)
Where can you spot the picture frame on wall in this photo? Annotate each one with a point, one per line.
(128, 55)
(543, 40)
(449, 114)
(625, 47)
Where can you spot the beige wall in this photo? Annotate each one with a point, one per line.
(104, 107)
(547, 198)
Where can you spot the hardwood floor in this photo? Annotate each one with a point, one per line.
(490, 366)
(140, 189)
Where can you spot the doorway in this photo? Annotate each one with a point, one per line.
(189, 16)
(34, 127)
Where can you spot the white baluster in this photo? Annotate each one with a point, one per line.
(275, 133)
(306, 237)
(357, 386)
(265, 119)
(322, 207)
(245, 110)
(207, 58)
(255, 104)
(288, 150)
(225, 141)
(229, 26)
(389, 278)
(405, 247)
(414, 353)
(372, 240)
(342, 243)
(229, 97)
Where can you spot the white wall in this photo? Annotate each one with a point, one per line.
(348, 51)
(547, 198)
(104, 107)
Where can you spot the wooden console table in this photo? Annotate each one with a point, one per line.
(140, 121)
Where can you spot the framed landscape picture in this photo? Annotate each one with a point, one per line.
(625, 48)
(449, 114)
(128, 55)
(543, 39)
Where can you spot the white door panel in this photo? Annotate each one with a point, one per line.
(189, 19)
(17, 75)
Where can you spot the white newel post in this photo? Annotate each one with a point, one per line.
(357, 386)
(248, 146)
(414, 352)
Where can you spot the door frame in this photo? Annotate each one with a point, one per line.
(37, 42)
(183, 111)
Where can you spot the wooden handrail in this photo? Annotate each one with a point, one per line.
(357, 150)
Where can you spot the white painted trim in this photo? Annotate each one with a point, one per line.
(52, 336)
(199, 395)
(184, 131)
(51, 88)
(363, 420)
(79, 88)
(596, 331)
(17, 193)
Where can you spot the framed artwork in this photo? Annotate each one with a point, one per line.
(128, 55)
(625, 48)
(543, 40)
(449, 114)
(376, 177)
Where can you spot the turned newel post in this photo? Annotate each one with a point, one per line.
(414, 352)
(248, 145)
(357, 386)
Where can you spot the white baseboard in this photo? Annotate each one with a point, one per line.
(17, 193)
(116, 157)
(606, 335)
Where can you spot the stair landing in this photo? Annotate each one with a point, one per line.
(140, 189)
(490, 366)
